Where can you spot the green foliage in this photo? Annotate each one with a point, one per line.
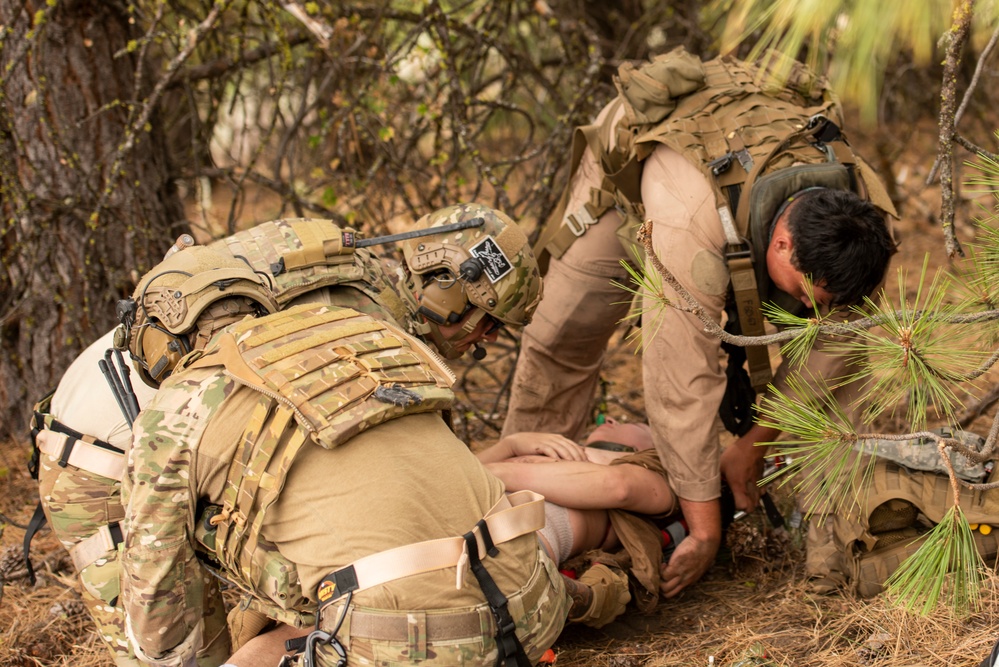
(913, 358)
(851, 40)
(644, 285)
(946, 565)
(825, 468)
(796, 350)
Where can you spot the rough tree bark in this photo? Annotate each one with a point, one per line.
(73, 234)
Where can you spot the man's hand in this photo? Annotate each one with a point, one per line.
(742, 466)
(696, 553)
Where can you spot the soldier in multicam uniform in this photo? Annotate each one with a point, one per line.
(81, 434)
(304, 451)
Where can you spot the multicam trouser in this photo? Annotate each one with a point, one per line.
(447, 637)
(861, 548)
(84, 509)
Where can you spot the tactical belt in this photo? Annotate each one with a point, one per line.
(440, 626)
(512, 516)
(97, 457)
(105, 540)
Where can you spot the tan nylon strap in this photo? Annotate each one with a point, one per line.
(512, 516)
(85, 456)
(554, 239)
(742, 214)
(747, 303)
(233, 498)
(87, 551)
(271, 480)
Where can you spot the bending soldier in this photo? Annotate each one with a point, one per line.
(312, 439)
(748, 189)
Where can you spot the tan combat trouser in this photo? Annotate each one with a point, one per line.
(445, 637)
(563, 347)
(80, 505)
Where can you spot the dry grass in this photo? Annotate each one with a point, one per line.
(754, 596)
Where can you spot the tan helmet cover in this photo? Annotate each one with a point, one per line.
(490, 266)
(173, 297)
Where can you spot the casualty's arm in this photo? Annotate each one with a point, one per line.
(161, 579)
(585, 486)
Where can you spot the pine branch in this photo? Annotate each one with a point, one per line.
(957, 37)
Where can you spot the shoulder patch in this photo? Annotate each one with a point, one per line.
(494, 260)
(709, 273)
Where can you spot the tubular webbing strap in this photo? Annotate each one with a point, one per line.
(514, 515)
(104, 460)
(747, 303)
(99, 545)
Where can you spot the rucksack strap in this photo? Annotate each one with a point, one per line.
(555, 237)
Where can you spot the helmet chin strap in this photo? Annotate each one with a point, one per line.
(446, 345)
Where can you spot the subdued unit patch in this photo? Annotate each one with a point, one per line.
(709, 272)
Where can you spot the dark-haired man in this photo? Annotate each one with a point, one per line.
(818, 225)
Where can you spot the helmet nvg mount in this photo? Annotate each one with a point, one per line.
(489, 266)
(181, 303)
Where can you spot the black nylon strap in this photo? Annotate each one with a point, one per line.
(67, 450)
(37, 523)
(115, 530)
(59, 427)
(37, 424)
(511, 651)
(487, 539)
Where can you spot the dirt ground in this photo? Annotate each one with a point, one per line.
(753, 601)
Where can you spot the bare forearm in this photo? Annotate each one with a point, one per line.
(582, 485)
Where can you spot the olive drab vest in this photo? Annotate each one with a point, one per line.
(304, 254)
(756, 142)
(324, 374)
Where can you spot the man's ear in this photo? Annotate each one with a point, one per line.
(781, 241)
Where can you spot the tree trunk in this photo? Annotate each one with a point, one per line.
(80, 219)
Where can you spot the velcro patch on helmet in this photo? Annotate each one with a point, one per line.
(494, 261)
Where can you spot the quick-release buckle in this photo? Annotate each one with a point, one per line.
(824, 130)
(741, 251)
(721, 165)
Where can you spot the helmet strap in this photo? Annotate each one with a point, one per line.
(446, 345)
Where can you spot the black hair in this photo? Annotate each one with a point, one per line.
(842, 242)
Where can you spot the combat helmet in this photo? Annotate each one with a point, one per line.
(489, 266)
(181, 303)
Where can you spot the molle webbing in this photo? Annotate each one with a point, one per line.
(303, 254)
(324, 374)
